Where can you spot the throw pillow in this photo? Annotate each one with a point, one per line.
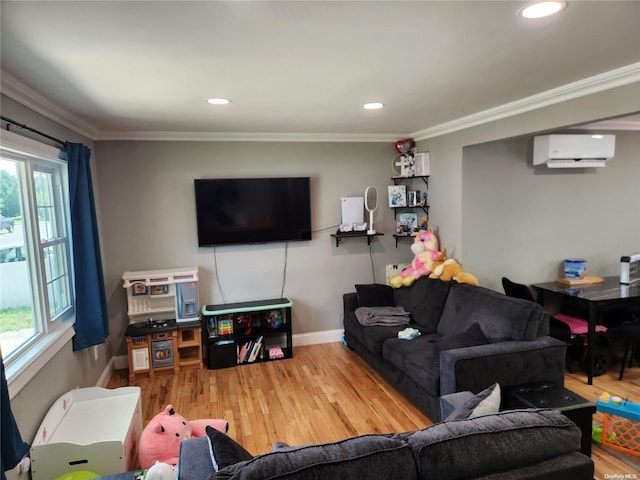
(375, 295)
(486, 402)
(473, 336)
(226, 451)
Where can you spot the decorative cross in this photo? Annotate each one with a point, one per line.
(403, 163)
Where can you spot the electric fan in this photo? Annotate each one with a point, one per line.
(371, 204)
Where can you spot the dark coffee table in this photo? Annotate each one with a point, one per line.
(544, 395)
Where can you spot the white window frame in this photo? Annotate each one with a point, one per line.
(56, 334)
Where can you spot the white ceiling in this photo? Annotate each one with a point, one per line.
(134, 69)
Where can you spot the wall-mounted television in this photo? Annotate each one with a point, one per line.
(252, 210)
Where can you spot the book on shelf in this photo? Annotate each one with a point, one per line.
(255, 351)
(250, 350)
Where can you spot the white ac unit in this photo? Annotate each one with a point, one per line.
(573, 150)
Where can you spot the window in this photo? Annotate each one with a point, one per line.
(36, 277)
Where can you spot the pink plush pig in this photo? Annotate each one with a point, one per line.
(160, 440)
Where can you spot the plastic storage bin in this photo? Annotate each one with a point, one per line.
(620, 426)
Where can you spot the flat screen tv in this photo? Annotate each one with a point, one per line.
(252, 210)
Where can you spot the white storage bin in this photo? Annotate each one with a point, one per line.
(94, 429)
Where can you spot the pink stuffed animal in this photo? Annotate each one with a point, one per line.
(160, 439)
(425, 249)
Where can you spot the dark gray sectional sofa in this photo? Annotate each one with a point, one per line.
(471, 337)
(513, 445)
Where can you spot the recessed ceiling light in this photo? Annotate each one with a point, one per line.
(219, 101)
(373, 106)
(542, 9)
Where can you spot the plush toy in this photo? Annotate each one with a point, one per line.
(160, 439)
(425, 249)
(450, 269)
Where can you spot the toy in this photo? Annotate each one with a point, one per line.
(450, 269)
(160, 439)
(425, 249)
(160, 471)
(274, 319)
(246, 320)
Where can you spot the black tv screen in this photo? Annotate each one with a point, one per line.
(252, 210)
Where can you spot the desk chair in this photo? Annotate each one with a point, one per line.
(631, 334)
(569, 329)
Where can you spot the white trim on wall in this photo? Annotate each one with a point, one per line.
(587, 86)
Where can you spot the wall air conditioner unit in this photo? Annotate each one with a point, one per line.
(573, 151)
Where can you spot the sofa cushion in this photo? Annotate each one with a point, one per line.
(368, 456)
(372, 337)
(424, 300)
(476, 447)
(226, 451)
(469, 338)
(484, 403)
(501, 317)
(375, 295)
(416, 359)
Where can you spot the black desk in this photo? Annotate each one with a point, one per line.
(579, 410)
(594, 298)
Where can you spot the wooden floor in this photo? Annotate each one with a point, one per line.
(324, 393)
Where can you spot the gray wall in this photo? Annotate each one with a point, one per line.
(447, 164)
(149, 222)
(521, 222)
(470, 179)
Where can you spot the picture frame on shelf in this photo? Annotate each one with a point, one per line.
(413, 198)
(410, 219)
(402, 229)
(397, 195)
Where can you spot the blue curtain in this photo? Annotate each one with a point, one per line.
(12, 447)
(92, 319)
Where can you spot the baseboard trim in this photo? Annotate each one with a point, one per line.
(120, 362)
(314, 338)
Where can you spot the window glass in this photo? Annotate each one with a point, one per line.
(36, 284)
(17, 322)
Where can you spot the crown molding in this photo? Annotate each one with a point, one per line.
(587, 86)
(250, 137)
(21, 93)
(611, 125)
(25, 95)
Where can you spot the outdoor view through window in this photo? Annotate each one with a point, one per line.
(35, 287)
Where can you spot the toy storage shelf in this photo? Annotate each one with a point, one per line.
(248, 332)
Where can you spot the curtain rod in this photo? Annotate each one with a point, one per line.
(25, 127)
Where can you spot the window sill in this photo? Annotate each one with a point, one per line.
(24, 369)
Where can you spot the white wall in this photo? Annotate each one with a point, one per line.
(148, 220)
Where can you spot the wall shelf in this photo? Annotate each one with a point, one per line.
(342, 235)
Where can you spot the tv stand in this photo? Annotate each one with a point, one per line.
(248, 332)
